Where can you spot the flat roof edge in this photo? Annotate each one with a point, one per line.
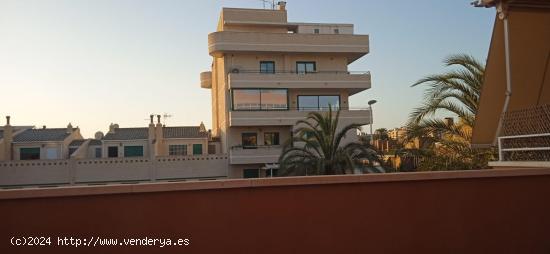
(266, 182)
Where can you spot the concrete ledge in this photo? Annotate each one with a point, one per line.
(522, 164)
(265, 182)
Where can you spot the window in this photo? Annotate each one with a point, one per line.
(336, 31)
(272, 172)
(273, 99)
(309, 135)
(112, 151)
(316, 30)
(267, 67)
(318, 102)
(251, 173)
(98, 152)
(211, 149)
(329, 101)
(174, 150)
(197, 149)
(305, 67)
(52, 153)
(260, 99)
(271, 138)
(250, 140)
(133, 151)
(72, 150)
(29, 153)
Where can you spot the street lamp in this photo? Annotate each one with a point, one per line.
(370, 109)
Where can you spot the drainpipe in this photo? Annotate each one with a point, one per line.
(503, 15)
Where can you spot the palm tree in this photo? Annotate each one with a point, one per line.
(456, 91)
(317, 149)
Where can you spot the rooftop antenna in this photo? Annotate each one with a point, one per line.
(164, 116)
(271, 3)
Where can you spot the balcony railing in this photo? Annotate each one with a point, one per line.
(236, 70)
(288, 117)
(352, 81)
(254, 154)
(526, 135)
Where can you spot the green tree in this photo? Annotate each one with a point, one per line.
(457, 92)
(316, 149)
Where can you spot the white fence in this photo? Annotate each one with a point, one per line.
(61, 172)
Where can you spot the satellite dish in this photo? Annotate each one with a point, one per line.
(99, 135)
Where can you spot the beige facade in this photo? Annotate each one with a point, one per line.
(28, 143)
(267, 73)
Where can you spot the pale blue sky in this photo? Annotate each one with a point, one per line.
(93, 62)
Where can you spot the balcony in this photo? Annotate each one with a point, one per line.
(289, 117)
(354, 46)
(254, 155)
(354, 82)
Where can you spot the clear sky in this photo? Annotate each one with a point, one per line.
(93, 62)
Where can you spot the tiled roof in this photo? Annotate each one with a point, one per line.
(79, 142)
(127, 134)
(183, 132)
(168, 132)
(95, 142)
(31, 135)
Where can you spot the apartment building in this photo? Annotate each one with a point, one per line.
(267, 73)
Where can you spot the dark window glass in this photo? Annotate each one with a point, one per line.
(329, 101)
(305, 67)
(316, 30)
(197, 149)
(72, 150)
(98, 152)
(29, 153)
(322, 102)
(271, 138)
(250, 140)
(336, 31)
(174, 150)
(133, 151)
(308, 102)
(112, 151)
(309, 135)
(267, 67)
(271, 172)
(251, 173)
(260, 99)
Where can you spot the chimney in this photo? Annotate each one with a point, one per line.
(8, 120)
(43, 127)
(111, 128)
(202, 128)
(159, 139)
(69, 128)
(281, 5)
(152, 119)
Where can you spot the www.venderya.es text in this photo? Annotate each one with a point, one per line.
(97, 241)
